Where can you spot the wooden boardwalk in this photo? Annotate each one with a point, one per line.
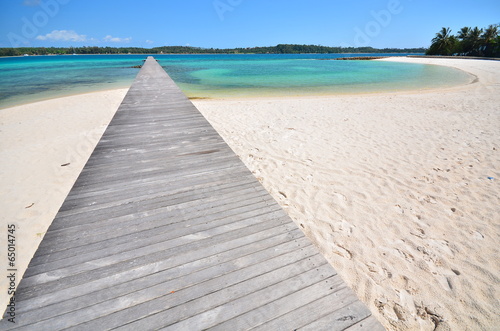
(165, 228)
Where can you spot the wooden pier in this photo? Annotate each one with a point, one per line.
(166, 228)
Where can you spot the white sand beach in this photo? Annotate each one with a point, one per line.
(400, 191)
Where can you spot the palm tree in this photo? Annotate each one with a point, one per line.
(463, 35)
(443, 43)
(489, 39)
(474, 41)
(490, 34)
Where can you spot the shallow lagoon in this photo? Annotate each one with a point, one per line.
(34, 78)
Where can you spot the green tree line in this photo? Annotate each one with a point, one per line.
(467, 42)
(279, 49)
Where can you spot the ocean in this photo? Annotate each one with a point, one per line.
(34, 78)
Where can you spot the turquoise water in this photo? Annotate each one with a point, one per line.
(33, 78)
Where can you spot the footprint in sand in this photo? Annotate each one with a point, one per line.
(418, 233)
(442, 246)
(428, 199)
(425, 179)
(477, 235)
(445, 283)
(342, 251)
(343, 227)
(341, 199)
(407, 256)
(372, 267)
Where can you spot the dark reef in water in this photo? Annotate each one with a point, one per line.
(358, 58)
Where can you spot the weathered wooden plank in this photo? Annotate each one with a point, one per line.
(224, 215)
(167, 237)
(52, 281)
(74, 275)
(172, 155)
(188, 261)
(173, 267)
(259, 313)
(177, 185)
(135, 206)
(162, 200)
(128, 220)
(195, 182)
(198, 271)
(311, 312)
(369, 323)
(112, 313)
(167, 310)
(158, 171)
(223, 174)
(176, 214)
(341, 319)
(143, 192)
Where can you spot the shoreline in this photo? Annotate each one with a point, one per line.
(154, 54)
(249, 98)
(354, 171)
(270, 98)
(62, 96)
(313, 94)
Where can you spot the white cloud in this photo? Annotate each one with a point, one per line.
(70, 35)
(111, 39)
(149, 42)
(63, 35)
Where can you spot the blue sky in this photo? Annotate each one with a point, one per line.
(237, 23)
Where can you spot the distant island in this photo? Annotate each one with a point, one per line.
(278, 49)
